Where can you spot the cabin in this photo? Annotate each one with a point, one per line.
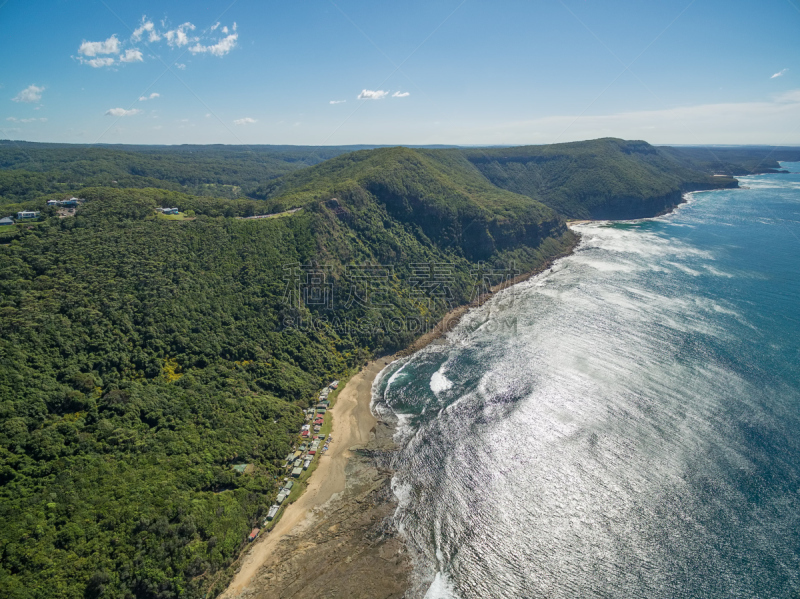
(167, 210)
(305, 434)
(297, 472)
(27, 214)
(273, 511)
(253, 534)
(334, 384)
(288, 486)
(6, 221)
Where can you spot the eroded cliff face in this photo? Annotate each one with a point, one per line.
(630, 208)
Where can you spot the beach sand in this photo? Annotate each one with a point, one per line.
(354, 427)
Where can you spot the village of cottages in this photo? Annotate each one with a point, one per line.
(300, 459)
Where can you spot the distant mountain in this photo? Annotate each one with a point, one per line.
(437, 191)
(599, 179)
(742, 160)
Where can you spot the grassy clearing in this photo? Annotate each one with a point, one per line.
(179, 216)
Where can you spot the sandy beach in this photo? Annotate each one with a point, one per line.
(353, 427)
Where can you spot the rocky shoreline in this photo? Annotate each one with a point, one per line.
(349, 547)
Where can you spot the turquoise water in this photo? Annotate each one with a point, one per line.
(626, 424)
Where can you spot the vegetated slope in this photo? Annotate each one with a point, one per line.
(30, 169)
(436, 191)
(141, 358)
(599, 179)
(745, 160)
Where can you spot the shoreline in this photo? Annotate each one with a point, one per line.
(353, 426)
(359, 440)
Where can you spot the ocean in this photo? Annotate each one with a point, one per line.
(626, 424)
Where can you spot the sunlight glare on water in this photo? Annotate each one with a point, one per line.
(623, 425)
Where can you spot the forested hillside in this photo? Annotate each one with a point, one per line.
(436, 190)
(28, 170)
(744, 160)
(599, 179)
(141, 358)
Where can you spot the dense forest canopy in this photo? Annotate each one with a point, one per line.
(745, 160)
(603, 178)
(142, 358)
(28, 170)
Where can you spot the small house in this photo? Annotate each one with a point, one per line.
(334, 384)
(27, 214)
(273, 511)
(253, 534)
(52, 202)
(297, 472)
(6, 221)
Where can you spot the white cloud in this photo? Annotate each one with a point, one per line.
(145, 26)
(208, 115)
(122, 112)
(368, 94)
(97, 62)
(30, 94)
(178, 37)
(180, 65)
(31, 120)
(150, 97)
(221, 48)
(338, 101)
(110, 46)
(245, 121)
(225, 30)
(401, 94)
(131, 55)
(779, 74)
(215, 25)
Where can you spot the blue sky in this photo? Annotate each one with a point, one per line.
(316, 72)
